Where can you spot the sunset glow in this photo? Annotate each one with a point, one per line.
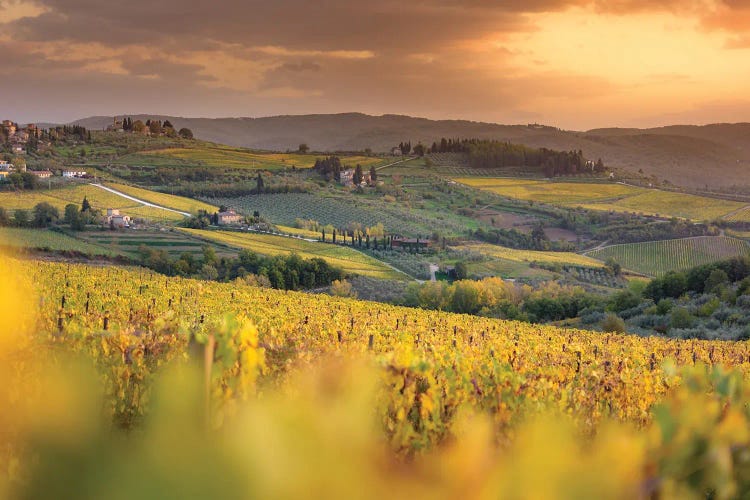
(572, 64)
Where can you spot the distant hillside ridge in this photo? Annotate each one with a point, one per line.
(716, 155)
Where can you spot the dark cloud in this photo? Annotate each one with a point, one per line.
(329, 55)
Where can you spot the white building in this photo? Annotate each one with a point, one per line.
(74, 173)
(42, 174)
(6, 166)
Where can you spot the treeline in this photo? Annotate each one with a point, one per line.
(155, 127)
(45, 215)
(42, 215)
(493, 297)
(282, 272)
(512, 238)
(701, 279)
(635, 230)
(329, 167)
(498, 154)
(233, 190)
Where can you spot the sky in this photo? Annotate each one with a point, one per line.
(575, 64)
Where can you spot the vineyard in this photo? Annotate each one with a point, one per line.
(340, 212)
(347, 394)
(348, 259)
(611, 197)
(655, 258)
(42, 239)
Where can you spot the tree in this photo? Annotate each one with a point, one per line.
(419, 149)
(71, 213)
(209, 255)
(261, 184)
(155, 127)
(462, 272)
(4, 217)
(85, 205)
(186, 133)
(21, 218)
(358, 176)
(303, 148)
(139, 127)
(613, 267)
(373, 174)
(45, 214)
(715, 280)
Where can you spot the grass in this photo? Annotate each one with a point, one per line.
(351, 261)
(165, 200)
(214, 155)
(609, 197)
(44, 239)
(656, 258)
(551, 192)
(305, 233)
(529, 256)
(666, 203)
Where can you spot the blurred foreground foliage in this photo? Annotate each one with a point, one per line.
(216, 410)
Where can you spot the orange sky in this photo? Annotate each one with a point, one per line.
(571, 63)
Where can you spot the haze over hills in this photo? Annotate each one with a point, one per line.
(694, 156)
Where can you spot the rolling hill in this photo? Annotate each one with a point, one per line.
(692, 156)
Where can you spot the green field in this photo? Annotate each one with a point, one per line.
(44, 239)
(656, 258)
(608, 197)
(214, 155)
(350, 260)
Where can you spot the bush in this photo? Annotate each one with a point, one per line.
(681, 318)
(613, 323)
(341, 288)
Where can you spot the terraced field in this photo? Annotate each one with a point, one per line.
(656, 258)
(346, 258)
(175, 243)
(230, 157)
(44, 239)
(610, 197)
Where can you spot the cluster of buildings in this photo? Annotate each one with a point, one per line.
(346, 178)
(17, 136)
(116, 220)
